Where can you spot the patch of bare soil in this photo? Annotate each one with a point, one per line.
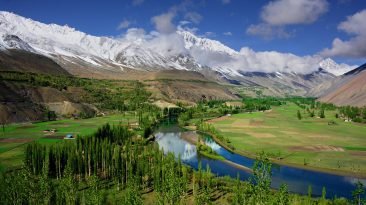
(218, 119)
(190, 136)
(191, 127)
(15, 140)
(164, 104)
(290, 132)
(256, 122)
(68, 108)
(244, 123)
(261, 135)
(317, 136)
(358, 153)
(188, 90)
(26, 127)
(317, 148)
(234, 104)
(241, 123)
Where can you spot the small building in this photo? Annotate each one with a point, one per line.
(69, 137)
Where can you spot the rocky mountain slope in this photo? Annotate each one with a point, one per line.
(348, 89)
(90, 56)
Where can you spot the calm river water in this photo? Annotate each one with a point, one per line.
(168, 136)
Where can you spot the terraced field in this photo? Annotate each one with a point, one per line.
(311, 142)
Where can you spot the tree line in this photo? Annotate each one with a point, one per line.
(112, 162)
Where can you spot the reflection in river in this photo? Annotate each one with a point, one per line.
(168, 136)
(171, 142)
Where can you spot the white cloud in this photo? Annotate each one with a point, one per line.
(167, 44)
(355, 24)
(355, 47)
(225, 1)
(164, 44)
(163, 22)
(278, 14)
(209, 34)
(193, 17)
(124, 24)
(137, 2)
(183, 23)
(289, 12)
(266, 31)
(272, 61)
(227, 33)
(134, 34)
(245, 60)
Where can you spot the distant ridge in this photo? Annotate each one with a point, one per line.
(84, 55)
(356, 70)
(349, 89)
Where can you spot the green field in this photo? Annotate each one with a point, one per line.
(310, 142)
(14, 138)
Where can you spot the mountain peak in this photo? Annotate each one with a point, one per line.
(64, 42)
(191, 40)
(331, 66)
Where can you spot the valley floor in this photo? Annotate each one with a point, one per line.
(311, 143)
(14, 137)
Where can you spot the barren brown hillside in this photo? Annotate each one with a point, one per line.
(353, 92)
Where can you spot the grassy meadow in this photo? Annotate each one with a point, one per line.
(14, 138)
(311, 142)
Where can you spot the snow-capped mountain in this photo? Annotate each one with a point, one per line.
(334, 68)
(191, 41)
(79, 52)
(14, 42)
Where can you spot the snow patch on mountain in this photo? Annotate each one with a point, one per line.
(14, 42)
(203, 43)
(334, 68)
(181, 50)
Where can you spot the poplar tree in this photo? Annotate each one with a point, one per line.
(299, 115)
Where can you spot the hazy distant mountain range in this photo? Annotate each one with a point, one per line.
(65, 50)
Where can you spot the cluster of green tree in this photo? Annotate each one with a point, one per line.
(355, 114)
(207, 151)
(314, 108)
(205, 110)
(110, 159)
(85, 171)
(258, 190)
(311, 113)
(261, 104)
(148, 117)
(302, 102)
(172, 112)
(310, 103)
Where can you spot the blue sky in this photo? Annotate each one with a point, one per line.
(306, 36)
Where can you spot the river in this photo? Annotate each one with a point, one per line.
(168, 136)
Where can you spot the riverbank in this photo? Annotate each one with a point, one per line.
(281, 162)
(192, 137)
(297, 179)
